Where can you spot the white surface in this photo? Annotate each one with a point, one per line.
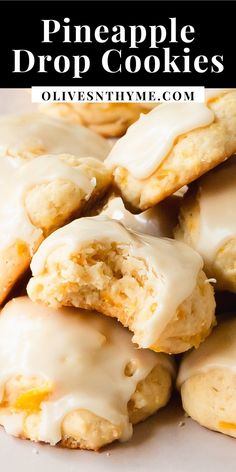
(16, 101)
(158, 445)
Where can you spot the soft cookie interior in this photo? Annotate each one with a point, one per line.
(119, 279)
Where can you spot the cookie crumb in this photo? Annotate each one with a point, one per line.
(108, 454)
(35, 451)
(181, 424)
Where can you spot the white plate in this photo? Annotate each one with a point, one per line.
(167, 442)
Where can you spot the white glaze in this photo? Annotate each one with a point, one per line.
(172, 266)
(156, 221)
(217, 203)
(29, 135)
(83, 356)
(12, 423)
(217, 352)
(148, 141)
(8, 167)
(14, 222)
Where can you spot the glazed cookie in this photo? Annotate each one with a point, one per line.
(26, 136)
(153, 286)
(111, 120)
(207, 223)
(207, 380)
(41, 196)
(89, 386)
(173, 145)
(157, 221)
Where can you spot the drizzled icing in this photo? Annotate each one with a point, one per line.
(157, 221)
(218, 351)
(84, 359)
(33, 134)
(217, 202)
(14, 222)
(149, 141)
(173, 266)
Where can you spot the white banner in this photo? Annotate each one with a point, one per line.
(117, 94)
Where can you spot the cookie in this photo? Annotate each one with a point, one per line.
(171, 146)
(207, 223)
(23, 137)
(207, 380)
(90, 385)
(41, 196)
(157, 221)
(153, 286)
(110, 120)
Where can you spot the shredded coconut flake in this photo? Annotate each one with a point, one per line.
(210, 281)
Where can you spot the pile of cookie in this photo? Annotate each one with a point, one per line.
(108, 249)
